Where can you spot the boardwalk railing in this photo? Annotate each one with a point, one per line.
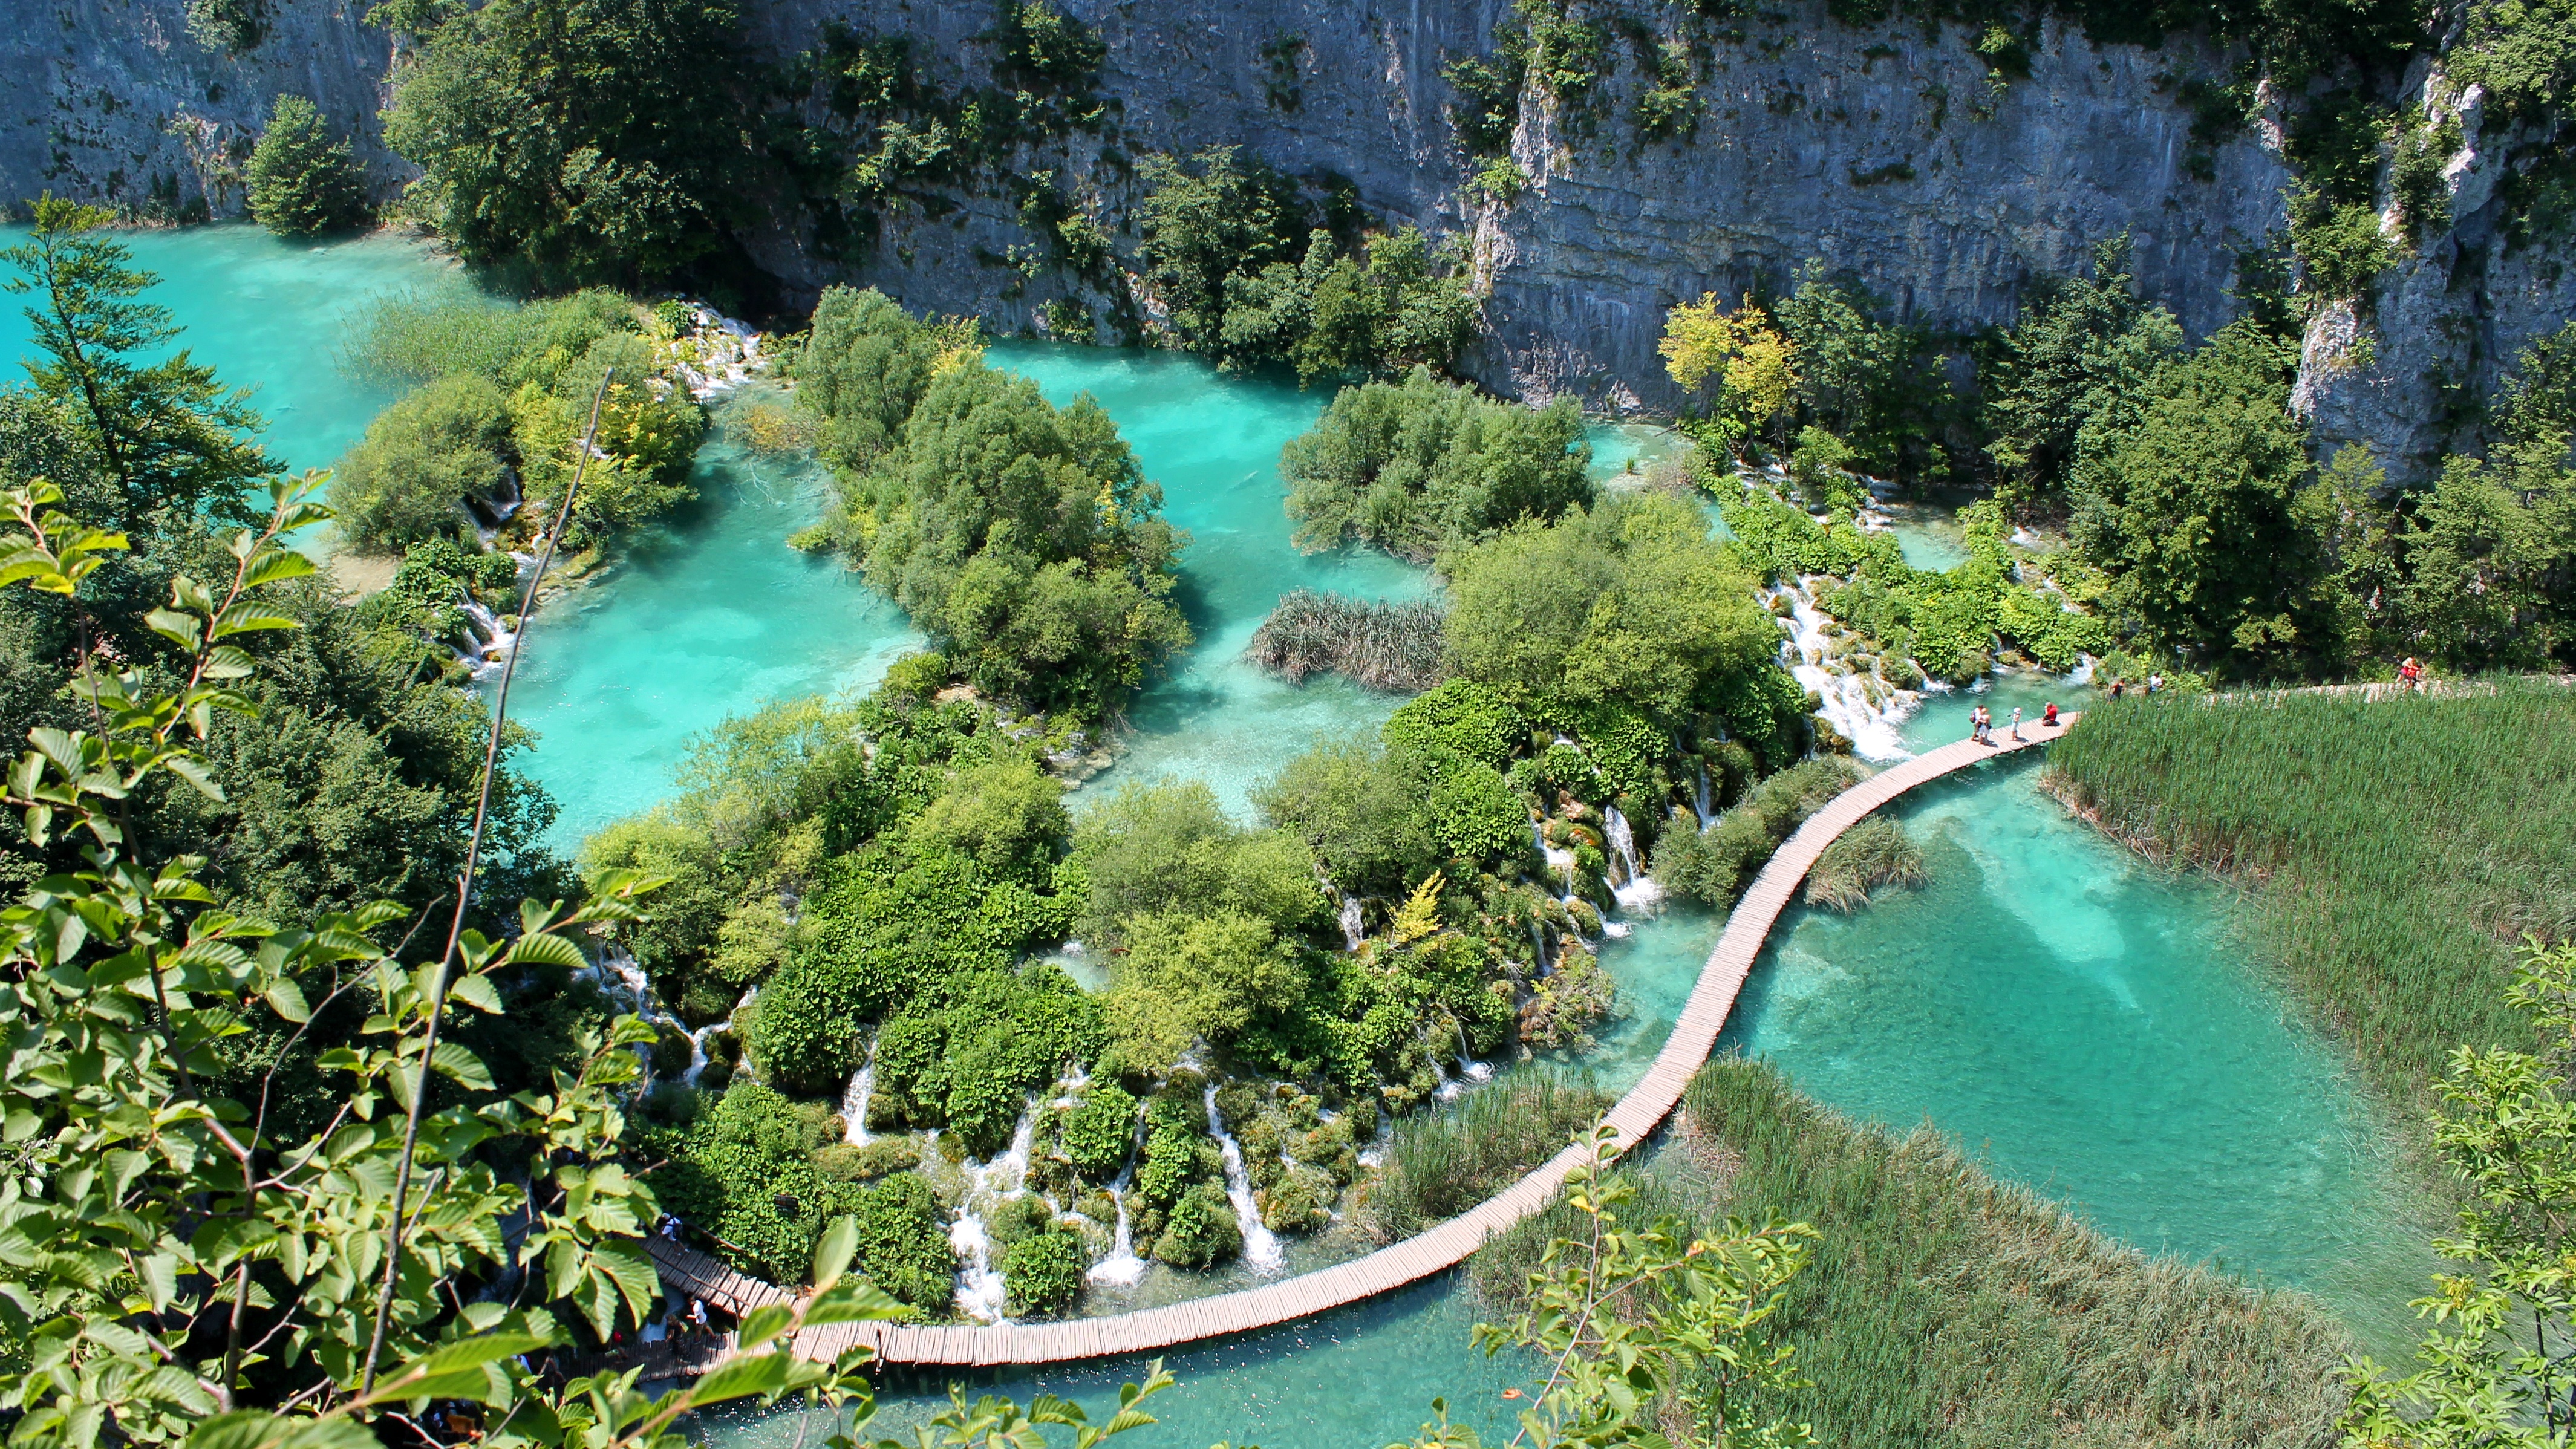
(1635, 1116)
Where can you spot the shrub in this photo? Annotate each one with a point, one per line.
(1714, 863)
(903, 1244)
(1467, 719)
(1201, 1231)
(301, 182)
(406, 482)
(1042, 1273)
(1168, 847)
(1100, 1131)
(805, 1026)
(1424, 465)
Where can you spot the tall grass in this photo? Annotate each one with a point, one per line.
(1380, 645)
(1944, 1308)
(1439, 1164)
(1876, 852)
(2393, 849)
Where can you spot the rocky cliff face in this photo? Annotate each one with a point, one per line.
(115, 101)
(1894, 155)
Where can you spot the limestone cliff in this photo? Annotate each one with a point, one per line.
(1894, 154)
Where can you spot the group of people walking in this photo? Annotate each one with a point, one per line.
(1981, 723)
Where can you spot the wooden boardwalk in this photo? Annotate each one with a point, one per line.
(1634, 1117)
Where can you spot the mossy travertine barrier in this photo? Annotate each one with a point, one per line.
(689, 1273)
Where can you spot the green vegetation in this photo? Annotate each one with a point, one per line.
(1439, 1164)
(586, 139)
(1023, 538)
(2508, 1136)
(1230, 251)
(1380, 645)
(1423, 465)
(506, 400)
(301, 182)
(1943, 1307)
(1627, 607)
(1875, 853)
(2070, 374)
(1715, 862)
(2394, 847)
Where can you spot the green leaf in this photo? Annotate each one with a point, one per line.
(743, 1376)
(275, 566)
(476, 992)
(287, 999)
(188, 769)
(547, 950)
(833, 1252)
(461, 1066)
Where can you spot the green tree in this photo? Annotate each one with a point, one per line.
(1876, 385)
(1424, 465)
(167, 435)
(1204, 977)
(406, 482)
(300, 181)
(864, 366)
(1025, 541)
(2193, 513)
(1168, 846)
(2496, 1367)
(2071, 373)
(1630, 604)
(578, 135)
(1207, 219)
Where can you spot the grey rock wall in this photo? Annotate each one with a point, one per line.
(114, 101)
(1884, 153)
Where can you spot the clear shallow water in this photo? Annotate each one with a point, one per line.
(1213, 443)
(700, 621)
(273, 314)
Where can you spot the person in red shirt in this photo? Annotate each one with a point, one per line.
(2411, 673)
(2048, 716)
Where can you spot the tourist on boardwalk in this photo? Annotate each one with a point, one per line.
(2411, 673)
(2048, 716)
(2016, 724)
(2155, 682)
(2119, 687)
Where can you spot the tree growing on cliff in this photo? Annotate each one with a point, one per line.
(2069, 375)
(1755, 366)
(587, 137)
(301, 181)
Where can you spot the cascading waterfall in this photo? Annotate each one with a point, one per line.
(485, 626)
(1261, 1249)
(1351, 921)
(1699, 802)
(854, 1102)
(1639, 893)
(981, 1292)
(1872, 727)
(1122, 1268)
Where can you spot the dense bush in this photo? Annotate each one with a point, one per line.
(1424, 465)
(300, 182)
(863, 368)
(1464, 718)
(1228, 247)
(1168, 847)
(903, 1244)
(1201, 1230)
(1042, 1272)
(1098, 1133)
(1024, 540)
(1633, 604)
(407, 481)
(744, 1173)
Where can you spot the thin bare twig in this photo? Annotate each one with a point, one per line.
(465, 889)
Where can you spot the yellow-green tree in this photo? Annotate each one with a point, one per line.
(1754, 363)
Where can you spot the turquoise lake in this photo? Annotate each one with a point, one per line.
(2085, 1023)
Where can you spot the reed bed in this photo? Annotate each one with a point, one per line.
(1942, 1307)
(1439, 1164)
(1873, 854)
(1381, 645)
(2392, 849)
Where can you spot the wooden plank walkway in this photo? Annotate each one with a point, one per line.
(1635, 1116)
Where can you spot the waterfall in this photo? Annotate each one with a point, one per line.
(980, 1290)
(1476, 1073)
(1122, 1268)
(854, 1102)
(1871, 725)
(1261, 1250)
(1699, 804)
(1351, 936)
(494, 641)
(1639, 893)
(1538, 940)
